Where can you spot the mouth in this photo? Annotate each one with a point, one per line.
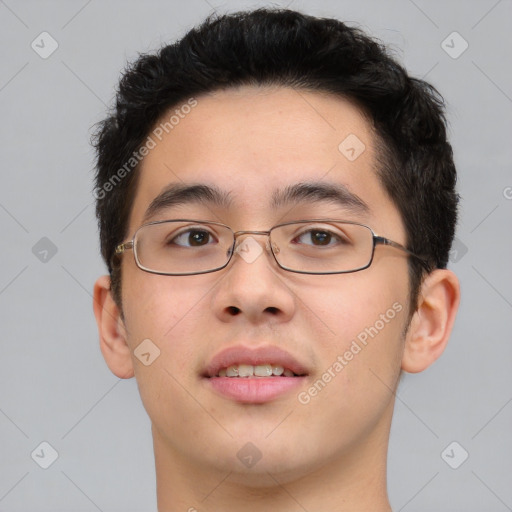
(254, 376)
(259, 371)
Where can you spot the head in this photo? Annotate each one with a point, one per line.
(250, 104)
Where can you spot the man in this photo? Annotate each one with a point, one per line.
(276, 205)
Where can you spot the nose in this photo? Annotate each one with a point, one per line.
(253, 288)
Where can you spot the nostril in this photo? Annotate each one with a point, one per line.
(233, 310)
(272, 310)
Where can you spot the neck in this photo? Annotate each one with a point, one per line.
(354, 480)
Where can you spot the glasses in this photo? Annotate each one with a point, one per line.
(188, 247)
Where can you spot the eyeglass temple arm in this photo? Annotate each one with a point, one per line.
(124, 247)
(386, 241)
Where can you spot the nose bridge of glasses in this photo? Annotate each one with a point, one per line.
(239, 242)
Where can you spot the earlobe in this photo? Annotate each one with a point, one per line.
(432, 322)
(111, 329)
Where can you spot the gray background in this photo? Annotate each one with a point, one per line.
(55, 386)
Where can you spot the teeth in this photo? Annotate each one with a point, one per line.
(245, 370)
(261, 370)
(277, 370)
(232, 371)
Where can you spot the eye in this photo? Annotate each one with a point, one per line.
(193, 238)
(319, 237)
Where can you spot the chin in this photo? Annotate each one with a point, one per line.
(252, 459)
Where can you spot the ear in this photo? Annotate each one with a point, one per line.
(112, 331)
(433, 320)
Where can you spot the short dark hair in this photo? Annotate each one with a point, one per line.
(281, 47)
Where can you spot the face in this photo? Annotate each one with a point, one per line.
(342, 333)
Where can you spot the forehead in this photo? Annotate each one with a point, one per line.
(254, 143)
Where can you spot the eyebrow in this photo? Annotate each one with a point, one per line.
(318, 191)
(179, 194)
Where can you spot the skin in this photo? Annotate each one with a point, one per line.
(328, 454)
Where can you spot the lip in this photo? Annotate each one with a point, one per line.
(253, 390)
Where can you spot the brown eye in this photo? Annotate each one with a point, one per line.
(318, 237)
(193, 238)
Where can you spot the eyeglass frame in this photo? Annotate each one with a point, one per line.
(377, 240)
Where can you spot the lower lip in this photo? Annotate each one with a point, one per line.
(254, 390)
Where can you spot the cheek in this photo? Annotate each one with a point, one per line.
(345, 306)
(167, 311)
(359, 335)
(153, 305)
(371, 319)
